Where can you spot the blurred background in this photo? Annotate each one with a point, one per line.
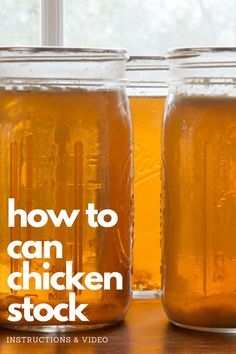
(141, 26)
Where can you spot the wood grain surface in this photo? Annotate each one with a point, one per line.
(146, 330)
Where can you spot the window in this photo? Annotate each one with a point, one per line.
(20, 22)
(150, 26)
(141, 26)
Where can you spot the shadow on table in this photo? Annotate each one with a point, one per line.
(182, 341)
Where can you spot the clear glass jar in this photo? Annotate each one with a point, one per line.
(147, 91)
(199, 190)
(65, 141)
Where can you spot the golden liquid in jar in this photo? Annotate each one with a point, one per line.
(147, 121)
(199, 187)
(63, 150)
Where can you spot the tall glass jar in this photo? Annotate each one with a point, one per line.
(199, 190)
(147, 91)
(65, 142)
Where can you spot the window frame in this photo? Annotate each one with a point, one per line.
(52, 22)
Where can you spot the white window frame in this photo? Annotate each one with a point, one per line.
(52, 22)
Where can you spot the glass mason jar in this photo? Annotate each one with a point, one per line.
(147, 91)
(199, 190)
(65, 142)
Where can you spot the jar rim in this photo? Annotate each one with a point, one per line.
(18, 53)
(147, 62)
(191, 52)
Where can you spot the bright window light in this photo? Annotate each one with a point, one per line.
(20, 22)
(150, 26)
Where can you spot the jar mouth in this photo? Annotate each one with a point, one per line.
(218, 63)
(143, 62)
(147, 74)
(62, 66)
(188, 52)
(42, 54)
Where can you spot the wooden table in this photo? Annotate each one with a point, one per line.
(145, 331)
